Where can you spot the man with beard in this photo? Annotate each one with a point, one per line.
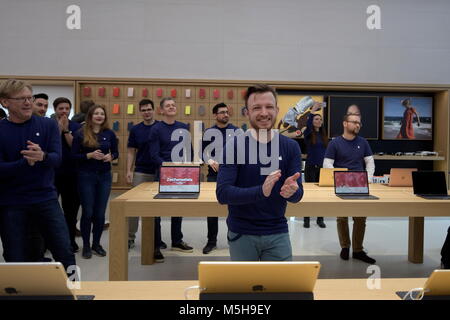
(353, 152)
(255, 193)
(40, 104)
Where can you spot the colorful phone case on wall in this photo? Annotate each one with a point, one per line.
(173, 93)
(116, 126)
(101, 92)
(201, 110)
(188, 93)
(159, 92)
(145, 92)
(216, 93)
(87, 91)
(243, 93)
(116, 108)
(230, 94)
(130, 92)
(130, 109)
(116, 92)
(187, 110)
(202, 93)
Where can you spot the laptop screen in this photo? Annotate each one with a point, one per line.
(429, 182)
(351, 182)
(179, 179)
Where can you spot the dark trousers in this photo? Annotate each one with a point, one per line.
(445, 252)
(213, 222)
(67, 188)
(15, 224)
(312, 173)
(94, 189)
(175, 231)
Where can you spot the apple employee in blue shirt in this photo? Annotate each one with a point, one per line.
(256, 199)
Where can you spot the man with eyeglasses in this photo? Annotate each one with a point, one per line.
(226, 129)
(30, 150)
(40, 104)
(137, 155)
(353, 152)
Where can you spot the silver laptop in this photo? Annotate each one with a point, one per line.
(430, 185)
(179, 182)
(41, 281)
(352, 185)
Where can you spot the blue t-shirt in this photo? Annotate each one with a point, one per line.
(315, 151)
(348, 154)
(161, 143)
(225, 138)
(240, 187)
(107, 141)
(21, 183)
(139, 139)
(68, 164)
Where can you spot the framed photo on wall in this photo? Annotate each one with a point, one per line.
(407, 118)
(289, 119)
(368, 107)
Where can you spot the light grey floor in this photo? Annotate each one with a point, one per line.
(386, 240)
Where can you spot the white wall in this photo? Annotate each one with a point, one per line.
(296, 40)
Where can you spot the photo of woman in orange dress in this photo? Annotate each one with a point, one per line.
(407, 128)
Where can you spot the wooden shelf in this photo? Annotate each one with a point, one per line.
(415, 158)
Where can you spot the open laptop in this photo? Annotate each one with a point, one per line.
(326, 177)
(430, 185)
(257, 280)
(39, 281)
(401, 177)
(179, 182)
(352, 185)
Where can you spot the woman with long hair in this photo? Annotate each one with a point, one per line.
(94, 146)
(316, 141)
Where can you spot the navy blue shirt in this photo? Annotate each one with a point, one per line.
(21, 183)
(348, 154)
(68, 164)
(139, 139)
(315, 151)
(160, 141)
(225, 138)
(240, 186)
(107, 144)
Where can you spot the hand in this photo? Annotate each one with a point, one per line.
(316, 106)
(270, 181)
(213, 164)
(97, 155)
(63, 123)
(107, 157)
(33, 154)
(129, 177)
(290, 186)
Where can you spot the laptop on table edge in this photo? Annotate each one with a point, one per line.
(359, 190)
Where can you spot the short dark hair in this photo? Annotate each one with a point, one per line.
(86, 105)
(259, 88)
(161, 104)
(144, 102)
(61, 100)
(40, 96)
(2, 113)
(217, 106)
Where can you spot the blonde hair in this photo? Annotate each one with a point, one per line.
(89, 136)
(12, 86)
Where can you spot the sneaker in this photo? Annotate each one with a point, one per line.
(209, 247)
(75, 247)
(87, 253)
(163, 245)
(345, 253)
(361, 255)
(183, 247)
(131, 244)
(320, 223)
(106, 226)
(98, 250)
(305, 222)
(158, 256)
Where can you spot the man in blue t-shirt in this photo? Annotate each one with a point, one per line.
(137, 155)
(30, 150)
(161, 151)
(352, 152)
(256, 190)
(226, 130)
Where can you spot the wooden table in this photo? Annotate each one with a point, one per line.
(325, 289)
(317, 201)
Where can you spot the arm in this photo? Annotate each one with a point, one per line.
(330, 155)
(370, 167)
(328, 163)
(54, 151)
(295, 166)
(13, 168)
(131, 154)
(417, 117)
(77, 153)
(309, 125)
(155, 147)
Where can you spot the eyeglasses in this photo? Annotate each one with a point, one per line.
(23, 99)
(222, 112)
(355, 122)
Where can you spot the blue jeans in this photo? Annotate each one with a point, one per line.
(15, 224)
(274, 247)
(94, 188)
